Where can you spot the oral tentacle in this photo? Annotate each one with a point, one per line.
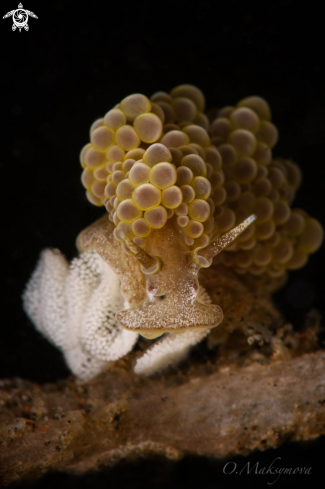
(150, 264)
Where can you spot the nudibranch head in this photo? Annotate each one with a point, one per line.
(171, 303)
(159, 164)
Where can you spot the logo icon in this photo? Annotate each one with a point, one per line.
(20, 18)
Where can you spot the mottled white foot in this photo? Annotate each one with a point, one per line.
(169, 351)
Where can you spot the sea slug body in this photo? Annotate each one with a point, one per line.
(178, 189)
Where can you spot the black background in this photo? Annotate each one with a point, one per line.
(73, 65)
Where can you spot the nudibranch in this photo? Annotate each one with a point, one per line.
(179, 189)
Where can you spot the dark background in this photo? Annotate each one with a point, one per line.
(73, 65)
